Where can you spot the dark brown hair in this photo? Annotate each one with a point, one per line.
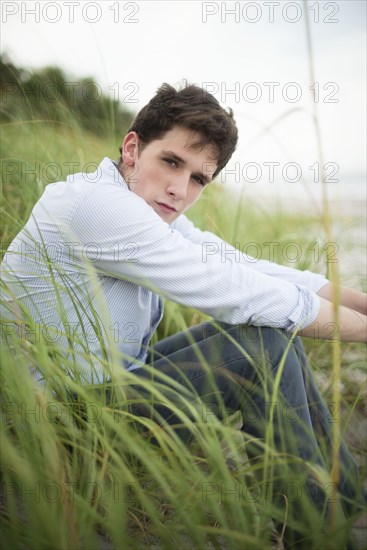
(193, 108)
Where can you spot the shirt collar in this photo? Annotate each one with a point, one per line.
(110, 171)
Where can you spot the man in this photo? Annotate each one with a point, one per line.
(101, 251)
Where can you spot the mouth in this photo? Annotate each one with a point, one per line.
(166, 207)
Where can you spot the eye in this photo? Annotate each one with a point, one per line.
(199, 180)
(171, 162)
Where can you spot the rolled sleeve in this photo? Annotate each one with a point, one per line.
(305, 312)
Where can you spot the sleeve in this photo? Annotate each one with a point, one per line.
(132, 242)
(212, 244)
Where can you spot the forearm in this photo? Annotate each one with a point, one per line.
(351, 327)
(352, 299)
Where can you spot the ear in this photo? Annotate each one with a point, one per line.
(130, 149)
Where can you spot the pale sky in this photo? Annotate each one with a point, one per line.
(132, 47)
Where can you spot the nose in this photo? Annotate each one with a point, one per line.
(178, 186)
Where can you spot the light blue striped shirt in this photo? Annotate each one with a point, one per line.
(94, 263)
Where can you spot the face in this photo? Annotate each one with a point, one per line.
(169, 173)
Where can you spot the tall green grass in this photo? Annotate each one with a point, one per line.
(87, 472)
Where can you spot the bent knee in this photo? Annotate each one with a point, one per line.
(265, 336)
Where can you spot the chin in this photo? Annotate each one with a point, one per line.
(169, 219)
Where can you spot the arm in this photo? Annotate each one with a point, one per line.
(348, 297)
(352, 324)
(212, 244)
(352, 316)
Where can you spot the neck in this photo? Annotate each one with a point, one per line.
(125, 172)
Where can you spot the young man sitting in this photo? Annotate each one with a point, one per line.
(101, 252)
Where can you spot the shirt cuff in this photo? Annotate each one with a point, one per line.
(306, 310)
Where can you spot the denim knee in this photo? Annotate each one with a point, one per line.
(269, 338)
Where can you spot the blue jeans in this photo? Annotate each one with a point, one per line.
(237, 368)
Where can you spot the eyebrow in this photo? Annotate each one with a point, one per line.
(183, 162)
